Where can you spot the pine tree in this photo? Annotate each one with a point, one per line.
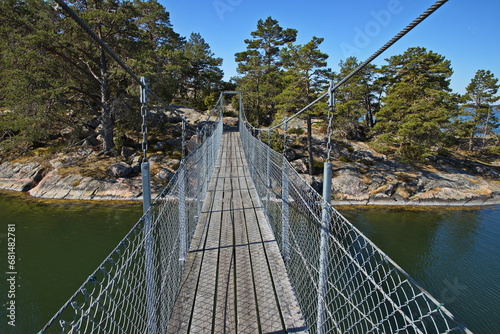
(30, 78)
(356, 99)
(203, 72)
(305, 75)
(418, 106)
(260, 67)
(480, 95)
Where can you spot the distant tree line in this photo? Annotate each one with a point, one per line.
(52, 74)
(405, 107)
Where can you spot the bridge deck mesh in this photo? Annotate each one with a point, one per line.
(134, 290)
(135, 287)
(366, 291)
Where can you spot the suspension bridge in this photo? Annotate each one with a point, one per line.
(238, 242)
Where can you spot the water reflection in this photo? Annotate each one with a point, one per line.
(57, 246)
(454, 254)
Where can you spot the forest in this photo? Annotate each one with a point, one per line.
(53, 74)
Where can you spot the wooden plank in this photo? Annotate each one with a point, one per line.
(235, 280)
(248, 308)
(225, 307)
(270, 313)
(182, 320)
(288, 304)
(202, 313)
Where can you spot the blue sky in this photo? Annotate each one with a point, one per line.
(465, 32)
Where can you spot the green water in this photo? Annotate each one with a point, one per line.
(57, 247)
(454, 254)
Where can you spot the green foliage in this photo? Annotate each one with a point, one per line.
(296, 131)
(276, 141)
(305, 75)
(494, 150)
(50, 68)
(344, 158)
(477, 116)
(418, 105)
(260, 66)
(357, 98)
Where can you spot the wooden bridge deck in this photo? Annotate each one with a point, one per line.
(235, 279)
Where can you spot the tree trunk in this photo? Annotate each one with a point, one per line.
(309, 145)
(369, 119)
(471, 141)
(107, 117)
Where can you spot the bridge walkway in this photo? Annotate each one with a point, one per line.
(235, 280)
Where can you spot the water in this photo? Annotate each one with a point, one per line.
(57, 247)
(454, 254)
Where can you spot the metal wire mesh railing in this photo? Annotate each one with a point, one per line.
(353, 287)
(135, 287)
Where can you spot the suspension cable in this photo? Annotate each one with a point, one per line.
(387, 45)
(106, 48)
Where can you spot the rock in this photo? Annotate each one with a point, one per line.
(347, 184)
(56, 163)
(164, 174)
(120, 169)
(231, 121)
(160, 146)
(193, 143)
(136, 168)
(127, 152)
(171, 164)
(429, 181)
(67, 133)
(84, 188)
(301, 166)
(91, 141)
(290, 154)
(376, 182)
(20, 177)
(136, 164)
(175, 142)
(364, 156)
(487, 171)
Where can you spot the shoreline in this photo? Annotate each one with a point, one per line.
(337, 204)
(25, 195)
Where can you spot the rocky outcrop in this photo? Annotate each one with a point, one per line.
(392, 183)
(120, 169)
(348, 182)
(77, 187)
(48, 182)
(20, 177)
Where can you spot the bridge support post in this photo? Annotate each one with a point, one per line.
(182, 216)
(254, 145)
(268, 173)
(285, 211)
(148, 219)
(324, 246)
(285, 205)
